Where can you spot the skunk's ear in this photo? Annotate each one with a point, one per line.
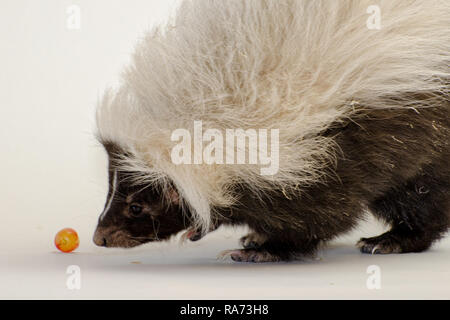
(172, 196)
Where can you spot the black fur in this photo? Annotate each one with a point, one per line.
(394, 162)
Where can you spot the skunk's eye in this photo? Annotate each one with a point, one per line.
(135, 210)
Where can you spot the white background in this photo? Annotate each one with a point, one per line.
(53, 175)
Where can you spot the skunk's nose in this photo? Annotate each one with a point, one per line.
(99, 239)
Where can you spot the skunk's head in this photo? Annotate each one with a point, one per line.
(135, 213)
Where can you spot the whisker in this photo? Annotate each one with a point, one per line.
(156, 230)
(141, 238)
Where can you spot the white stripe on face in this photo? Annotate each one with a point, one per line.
(111, 198)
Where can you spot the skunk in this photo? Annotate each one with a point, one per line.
(346, 101)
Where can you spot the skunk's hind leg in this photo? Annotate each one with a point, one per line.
(418, 212)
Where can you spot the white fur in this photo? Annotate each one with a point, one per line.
(111, 197)
(293, 65)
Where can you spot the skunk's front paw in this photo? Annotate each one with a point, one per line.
(252, 241)
(250, 255)
(192, 235)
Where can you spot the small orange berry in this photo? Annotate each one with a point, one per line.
(67, 240)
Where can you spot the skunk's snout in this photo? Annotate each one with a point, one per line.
(99, 238)
(111, 237)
